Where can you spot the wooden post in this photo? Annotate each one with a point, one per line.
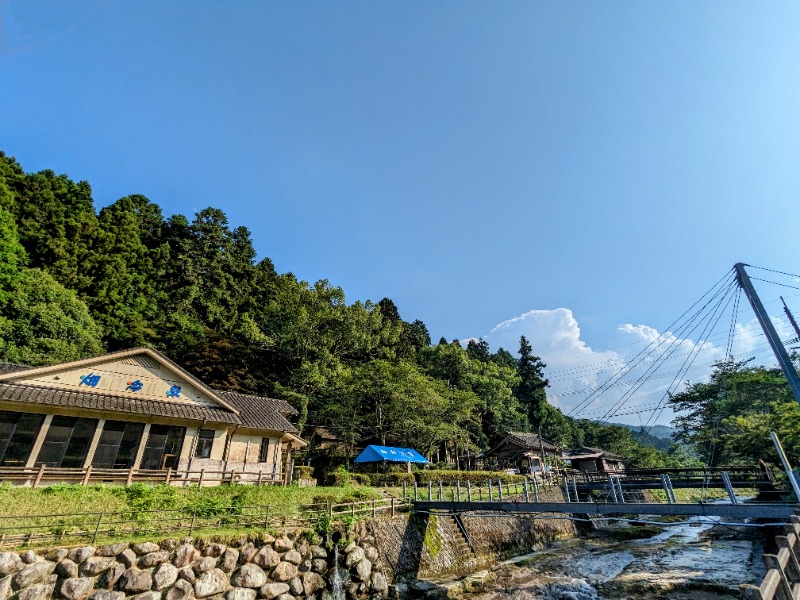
(490, 490)
(86, 475)
(458, 490)
(500, 488)
(525, 490)
(441, 496)
(784, 589)
(469, 491)
(430, 490)
(169, 475)
(39, 476)
(391, 513)
(792, 565)
(96, 529)
(200, 481)
(373, 508)
(260, 476)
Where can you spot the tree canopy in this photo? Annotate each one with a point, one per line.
(75, 282)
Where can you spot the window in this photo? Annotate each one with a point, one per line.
(118, 445)
(263, 454)
(66, 442)
(18, 433)
(205, 441)
(163, 448)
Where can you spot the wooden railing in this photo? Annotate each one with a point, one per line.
(35, 476)
(782, 580)
(18, 531)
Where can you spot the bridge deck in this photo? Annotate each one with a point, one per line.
(776, 511)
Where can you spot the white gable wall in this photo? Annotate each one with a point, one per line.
(115, 377)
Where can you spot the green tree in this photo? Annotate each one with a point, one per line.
(531, 388)
(45, 323)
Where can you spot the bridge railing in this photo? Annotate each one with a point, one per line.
(782, 579)
(743, 474)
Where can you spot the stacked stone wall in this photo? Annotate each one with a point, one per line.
(370, 561)
(288, 567)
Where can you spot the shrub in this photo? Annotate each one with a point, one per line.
(303, 472)
(361, 478)
(339, 478)
(391, 479)
(143, 499)
(475, 477)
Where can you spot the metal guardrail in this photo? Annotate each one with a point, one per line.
(782, 580)
(71, 528)
(35, 476)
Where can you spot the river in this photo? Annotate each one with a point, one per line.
(696, 561)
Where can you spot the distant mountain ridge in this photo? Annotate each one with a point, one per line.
(655, 436)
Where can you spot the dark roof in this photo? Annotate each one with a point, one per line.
(323, 434)
(530, 440)
(260, 412)
(591, 452)
(255, 412)
(12, 368)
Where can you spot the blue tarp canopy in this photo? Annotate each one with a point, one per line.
(389, 454)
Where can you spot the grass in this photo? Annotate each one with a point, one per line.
(64, 514)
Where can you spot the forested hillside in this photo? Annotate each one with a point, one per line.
(75, 282)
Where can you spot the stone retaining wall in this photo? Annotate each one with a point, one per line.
(368, 560)
(285, 568)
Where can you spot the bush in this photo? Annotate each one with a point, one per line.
(361, 478)
(303, 472)
(143, 499)
(475, 477)
(391, 479)
(338, 478)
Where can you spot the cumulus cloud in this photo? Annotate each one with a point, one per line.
(634, 375)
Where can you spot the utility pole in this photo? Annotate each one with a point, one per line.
(769, 330)
(791, 318)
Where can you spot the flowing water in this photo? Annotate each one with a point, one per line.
(686, 561)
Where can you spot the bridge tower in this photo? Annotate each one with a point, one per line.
(769, 330)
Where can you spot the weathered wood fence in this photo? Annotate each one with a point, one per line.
(17, 531)
(36, 476)
(782, 580)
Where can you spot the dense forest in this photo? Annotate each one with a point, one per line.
(75, 282)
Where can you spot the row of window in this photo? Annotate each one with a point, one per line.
(68, 440)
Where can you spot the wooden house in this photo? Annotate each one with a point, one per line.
(520, 451)
(595, 460)
(137, 410)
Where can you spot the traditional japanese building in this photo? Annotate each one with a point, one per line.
(520, 451)
(138, 410)
(595, 460)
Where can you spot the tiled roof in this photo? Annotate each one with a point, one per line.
(12, 368)
(260, 412)
(255, 412)
(590, 452)
(30, 394)
(530, 440)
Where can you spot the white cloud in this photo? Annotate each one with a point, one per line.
(637, 373)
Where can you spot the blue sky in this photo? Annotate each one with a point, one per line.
(600, 164)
